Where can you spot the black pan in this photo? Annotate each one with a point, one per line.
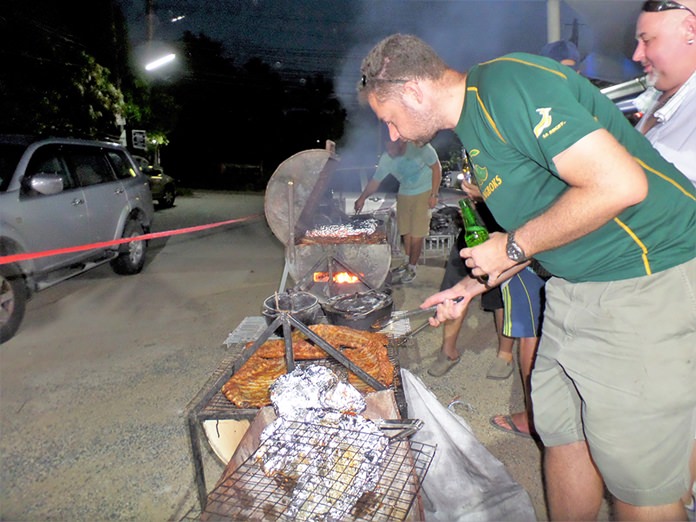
(359, 310)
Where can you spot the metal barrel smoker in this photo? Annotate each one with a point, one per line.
(299, 199)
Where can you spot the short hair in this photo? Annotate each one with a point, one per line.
(395, 60)
(561, 50)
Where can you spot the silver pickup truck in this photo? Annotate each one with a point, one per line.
(60, 193)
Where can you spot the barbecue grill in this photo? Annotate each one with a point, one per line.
(211, 404)
(249, 494)
(327, 252)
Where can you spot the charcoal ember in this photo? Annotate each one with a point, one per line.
(313, 387)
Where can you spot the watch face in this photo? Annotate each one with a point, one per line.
(514, 252)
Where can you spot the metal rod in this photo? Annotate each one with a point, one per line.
(287, 335)
(246, 354)
(291, 222)
(284, 277)
(315, 196)
(366, 377)
(379, 324)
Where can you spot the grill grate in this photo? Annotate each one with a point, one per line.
(219, 406)
(248, 494)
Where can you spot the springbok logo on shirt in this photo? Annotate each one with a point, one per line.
(545, 122)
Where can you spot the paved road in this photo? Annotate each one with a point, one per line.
(93, 387)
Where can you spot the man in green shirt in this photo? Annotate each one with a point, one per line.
(578, 189)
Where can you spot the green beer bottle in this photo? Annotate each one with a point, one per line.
(475, 232)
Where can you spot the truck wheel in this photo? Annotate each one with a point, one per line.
(13, 299)
(168, 197)
(131, 257)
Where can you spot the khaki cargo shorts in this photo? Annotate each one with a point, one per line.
(616, 367)
(413, 214)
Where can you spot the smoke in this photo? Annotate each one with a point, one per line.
(463, 32)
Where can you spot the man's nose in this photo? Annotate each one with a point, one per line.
(393, 133)
(638, 54)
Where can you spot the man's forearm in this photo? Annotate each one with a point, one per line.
(603, 180)
(574, 215)
(437, 178)
(370, 189)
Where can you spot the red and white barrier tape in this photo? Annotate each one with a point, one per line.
(45, 253)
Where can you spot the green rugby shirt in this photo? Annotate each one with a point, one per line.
(520, 111)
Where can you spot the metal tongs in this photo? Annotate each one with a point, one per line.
(383, 323)
(406, 427)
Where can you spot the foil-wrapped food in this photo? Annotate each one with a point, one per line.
(364, 230)
(360, 303)
(315, 387)
(329, 456)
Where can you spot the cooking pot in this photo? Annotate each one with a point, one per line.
(359, 310)
(303, 306)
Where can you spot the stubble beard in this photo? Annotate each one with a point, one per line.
(426, 128)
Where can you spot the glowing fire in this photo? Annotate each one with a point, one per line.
(338, 277)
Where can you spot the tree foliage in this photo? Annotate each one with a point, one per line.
(51, 81)
(61, 76)
(238, 123)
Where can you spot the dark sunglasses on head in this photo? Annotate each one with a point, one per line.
(364, 80)
(654, 6)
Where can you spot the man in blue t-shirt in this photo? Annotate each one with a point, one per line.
(418, 171)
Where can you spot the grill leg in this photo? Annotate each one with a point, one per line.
(197, 461)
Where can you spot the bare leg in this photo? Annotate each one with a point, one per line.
(450, 333)
(574, 487)
(692, 465)
(406, 242)
(505, 343)
(414, 250)
(674, 511)
(528, 347)
(524, 419)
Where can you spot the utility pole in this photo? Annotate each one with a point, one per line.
(150, 17)
(553, 20)
(575, 34)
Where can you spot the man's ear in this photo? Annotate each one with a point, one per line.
(689, 26)
(413, 94)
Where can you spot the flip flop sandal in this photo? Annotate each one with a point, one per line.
(513, 429)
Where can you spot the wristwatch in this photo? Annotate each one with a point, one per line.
(514, 251)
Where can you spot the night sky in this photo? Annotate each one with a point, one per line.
(332, 36)
(305, 37)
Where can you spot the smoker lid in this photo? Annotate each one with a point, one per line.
(303, 169)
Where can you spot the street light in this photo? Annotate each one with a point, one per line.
(159, 62)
